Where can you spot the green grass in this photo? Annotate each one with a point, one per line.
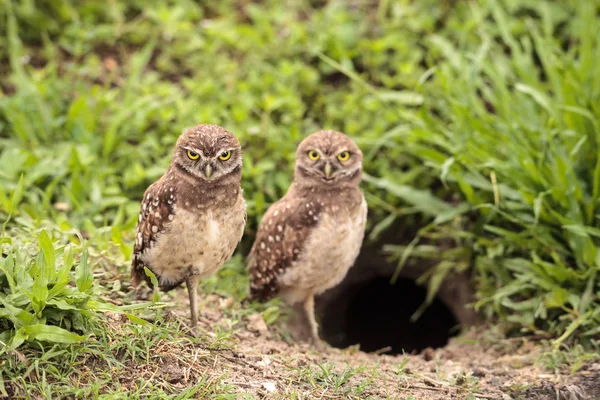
(325, 377)
(517, 140)
(479, 122)
(119, 362)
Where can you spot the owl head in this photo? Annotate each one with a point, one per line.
(328, 158)
(208, 153)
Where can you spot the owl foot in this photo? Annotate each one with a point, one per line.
(193, 331)
(196, 331)
(143, 293)
(321, 345)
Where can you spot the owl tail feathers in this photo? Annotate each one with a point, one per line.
(261, 293)
(138, 275)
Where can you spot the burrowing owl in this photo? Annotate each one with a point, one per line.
(307, 241)
(193, 217)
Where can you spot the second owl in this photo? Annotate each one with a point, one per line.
(307, 241)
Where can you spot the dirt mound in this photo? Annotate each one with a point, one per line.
(477, 364)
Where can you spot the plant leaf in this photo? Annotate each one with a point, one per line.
(83, 276)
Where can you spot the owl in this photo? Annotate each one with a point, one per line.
(307, 241)
(193, 217)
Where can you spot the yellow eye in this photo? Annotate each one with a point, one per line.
(343, 156)
(313, 155)
(192, 155)
(224, 156)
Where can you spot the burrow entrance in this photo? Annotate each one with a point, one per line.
(378, 317)
(367, 309)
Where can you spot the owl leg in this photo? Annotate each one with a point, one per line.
(309, 309)
(192, 286)
(141, 293)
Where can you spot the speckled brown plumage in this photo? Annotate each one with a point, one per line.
(307, 241)
(157, 210)
(279, 240)
(193, 217)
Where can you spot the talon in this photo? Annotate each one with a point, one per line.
(195, 332)
(321, 345)
(142, 293)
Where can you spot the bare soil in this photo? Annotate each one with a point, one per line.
(477, 364)
(248, 359)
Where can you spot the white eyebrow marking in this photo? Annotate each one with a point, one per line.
(194, 150)
(224, 150)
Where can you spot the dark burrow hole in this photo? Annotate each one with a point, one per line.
(377, 314)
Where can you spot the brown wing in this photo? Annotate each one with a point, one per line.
(156, 212)
(279, 241)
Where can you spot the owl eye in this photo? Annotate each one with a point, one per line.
(343, 156)
(224, 156)
(313, 155)
(192, 156)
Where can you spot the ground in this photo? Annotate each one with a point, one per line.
(236, 354)
(478, 364)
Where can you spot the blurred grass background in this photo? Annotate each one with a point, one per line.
(479, 121)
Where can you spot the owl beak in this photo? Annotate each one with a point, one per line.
(328, 170)
(208, 171)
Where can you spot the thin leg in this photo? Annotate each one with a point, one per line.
(309, 309)
(192, 286)
(140, 293)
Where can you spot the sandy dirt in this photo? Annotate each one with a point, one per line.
(253, 360)
(475, 365)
